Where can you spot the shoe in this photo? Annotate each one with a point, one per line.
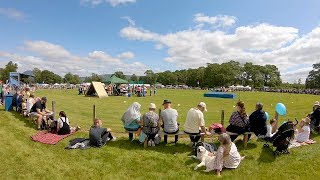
(149, 143)
(114, 139)
(152, 143)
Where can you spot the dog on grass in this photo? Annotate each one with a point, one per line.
(205, 157)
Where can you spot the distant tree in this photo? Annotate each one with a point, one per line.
(120, 74)
(134, 78)
(151, 77)
(313, 79)
(72, 79)
(37, 75)
(95, 77)
(5, 72)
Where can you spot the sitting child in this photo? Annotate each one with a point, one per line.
(270, 127)
(304, 132)
(227, 155)
(98, 135)
(63, 125)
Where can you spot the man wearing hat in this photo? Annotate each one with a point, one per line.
(169, 118)
(39, 110)
(195, 124)
(315, 117)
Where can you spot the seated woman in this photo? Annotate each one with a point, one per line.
(30, 102)
(239, 121)
(99, 136)
(131, 118)
(304, 132)
(258, 121)
(63, 125)
(227, 155)
(150, 123)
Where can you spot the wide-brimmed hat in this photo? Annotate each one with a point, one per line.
(306, 120)
(316, 103)
(166, 101)
(202, 104)
(152, 106)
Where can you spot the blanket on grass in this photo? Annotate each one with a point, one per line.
(49, 138)
(295, 143)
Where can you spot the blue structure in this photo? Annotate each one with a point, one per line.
(8, 102)
(219, 95)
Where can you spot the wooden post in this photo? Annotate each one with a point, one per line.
(274, 129)
(222, 117)
(94, 112)
(54, 109)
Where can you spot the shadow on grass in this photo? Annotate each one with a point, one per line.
(239, 144)
(266, 155)
(24, 119)
(170, 148)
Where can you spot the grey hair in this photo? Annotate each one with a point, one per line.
(225, 139)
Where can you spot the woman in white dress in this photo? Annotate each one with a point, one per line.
(227, 155)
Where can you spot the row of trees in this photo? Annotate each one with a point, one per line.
(213, 75)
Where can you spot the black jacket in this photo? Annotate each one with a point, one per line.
(258, 122)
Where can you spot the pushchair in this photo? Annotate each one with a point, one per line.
(282, 138)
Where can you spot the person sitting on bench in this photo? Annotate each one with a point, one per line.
(40, 110)
(99, 136)
(151, 125)
(169, 118)
(131, 118)
(239, 122)
(194, 122)
(258, 121)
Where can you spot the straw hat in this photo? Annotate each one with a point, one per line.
(306, 120)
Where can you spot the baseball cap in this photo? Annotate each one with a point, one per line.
(166, 101)
(202, 104)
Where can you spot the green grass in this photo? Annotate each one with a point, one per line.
(21, 158)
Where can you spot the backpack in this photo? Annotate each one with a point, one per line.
(217, 128)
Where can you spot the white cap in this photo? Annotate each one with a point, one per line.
(202, 104)
(152, 106)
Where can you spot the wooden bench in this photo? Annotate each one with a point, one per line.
(245, 137)
(182, 133)
(131, 133)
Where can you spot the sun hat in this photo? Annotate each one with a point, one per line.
(202, 104)
(166, 101)
(152, 106)
(306, 120)
(317, 103)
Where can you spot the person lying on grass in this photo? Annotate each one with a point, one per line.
(227, 155)
(99, 136)
(304, 132)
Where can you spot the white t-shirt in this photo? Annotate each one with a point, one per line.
(169, 117)
(269, 131)
(303, 136)
(30, 103)
(194, 120)
(60, 123)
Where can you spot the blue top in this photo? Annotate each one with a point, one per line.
(133, 125)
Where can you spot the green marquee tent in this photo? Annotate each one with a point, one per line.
(115, 80)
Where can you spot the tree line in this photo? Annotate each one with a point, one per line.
(211, 75)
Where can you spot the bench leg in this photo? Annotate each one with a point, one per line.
(165, 139)
(130, 136)
(176, 138)
(245, 140)
(145, 143)
(202, 138)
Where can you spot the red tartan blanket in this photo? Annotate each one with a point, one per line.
(49, 138)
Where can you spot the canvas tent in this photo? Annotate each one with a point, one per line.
(96, 89)
(115, 80)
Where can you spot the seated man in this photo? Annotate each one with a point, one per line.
(258, 121)
(40, 110)
(169, 118)
(98, 135)
(195, 124)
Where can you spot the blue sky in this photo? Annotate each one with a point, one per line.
(103, 36)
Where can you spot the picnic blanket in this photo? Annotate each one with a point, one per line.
(295, 144)
(49, 138)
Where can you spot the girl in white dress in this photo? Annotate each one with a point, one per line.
(304, 132)
(227, 155)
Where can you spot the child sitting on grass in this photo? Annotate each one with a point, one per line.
(304, 132)
(270, 128)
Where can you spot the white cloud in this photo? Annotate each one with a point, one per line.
(214, 21)
(12, 13)
(45, 55)
(261, 44)
(113, 3)
(126, 55)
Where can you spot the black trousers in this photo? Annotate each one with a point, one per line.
(176, 137)
(194, 137)
(238, 130)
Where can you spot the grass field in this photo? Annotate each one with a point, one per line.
(21, 158)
